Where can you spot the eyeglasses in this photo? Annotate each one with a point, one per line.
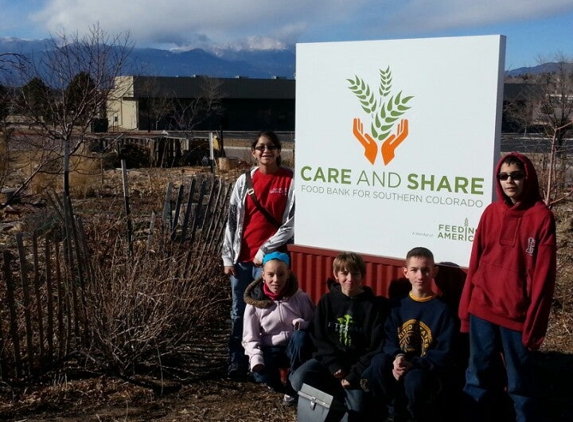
(270, 147)
(515, 175)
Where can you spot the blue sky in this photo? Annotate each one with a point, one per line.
(535, 29)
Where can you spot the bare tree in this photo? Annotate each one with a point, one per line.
(556, 116)
(519, 108)
(546, 104)
(556, 100)
(156, 104)
(9, 63)
(188, 113)
(70, 84)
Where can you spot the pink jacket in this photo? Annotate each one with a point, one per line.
(270, 323)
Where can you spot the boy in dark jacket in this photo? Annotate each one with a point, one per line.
(417, 353)
(508, 291)
(347, 331)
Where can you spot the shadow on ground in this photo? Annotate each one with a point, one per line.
(555, 375)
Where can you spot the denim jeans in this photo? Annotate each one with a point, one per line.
(297, 351)
(483, 386)
(245, 273)
(317, 375)
(413, 396)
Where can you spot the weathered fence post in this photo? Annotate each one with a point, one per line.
(10, 296)
(126, 202)
(27, 301)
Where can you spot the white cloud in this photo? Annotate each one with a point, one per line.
(262, 24)
(180, 21)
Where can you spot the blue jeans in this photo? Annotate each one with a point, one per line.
(413, 396)
(297, 351)
(317, 375)
(245, 273)
(485, 377)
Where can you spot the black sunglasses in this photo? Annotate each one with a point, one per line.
(515, 175)
(270, 147)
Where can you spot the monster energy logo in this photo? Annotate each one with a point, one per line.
(343, 329)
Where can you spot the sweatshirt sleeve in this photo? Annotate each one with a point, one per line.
(391, 344)
(231, 228)
(306, 310)
(325, 349)
(251, 337)
(542, 280)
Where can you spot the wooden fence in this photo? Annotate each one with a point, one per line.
(44, 280)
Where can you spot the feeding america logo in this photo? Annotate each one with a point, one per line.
(386, 112)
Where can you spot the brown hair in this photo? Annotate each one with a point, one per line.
(420, 252)
(349, 261)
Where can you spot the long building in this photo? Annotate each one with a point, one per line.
(201, 103)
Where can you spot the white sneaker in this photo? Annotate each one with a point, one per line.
(288, 400)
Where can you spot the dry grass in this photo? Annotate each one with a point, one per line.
(84, 177)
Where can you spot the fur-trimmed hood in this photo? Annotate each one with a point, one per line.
(255, 296)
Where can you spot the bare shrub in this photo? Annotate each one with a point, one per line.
(145, 307)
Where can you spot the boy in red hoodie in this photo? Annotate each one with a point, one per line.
(507, 296)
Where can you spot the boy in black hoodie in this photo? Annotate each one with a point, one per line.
(347, 331)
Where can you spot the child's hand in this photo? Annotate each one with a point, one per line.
(339, 374)
(344, 383)
(400, 367)
(398, 373)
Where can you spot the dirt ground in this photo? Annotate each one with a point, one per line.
(211, 396)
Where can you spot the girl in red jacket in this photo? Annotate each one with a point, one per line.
(507, 296)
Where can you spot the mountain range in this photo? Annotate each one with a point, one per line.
(257, 64)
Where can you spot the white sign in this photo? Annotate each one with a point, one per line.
(396, 143)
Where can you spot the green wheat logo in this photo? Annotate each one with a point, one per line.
(384, 110)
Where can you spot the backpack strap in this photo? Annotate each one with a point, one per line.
(251, 193)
